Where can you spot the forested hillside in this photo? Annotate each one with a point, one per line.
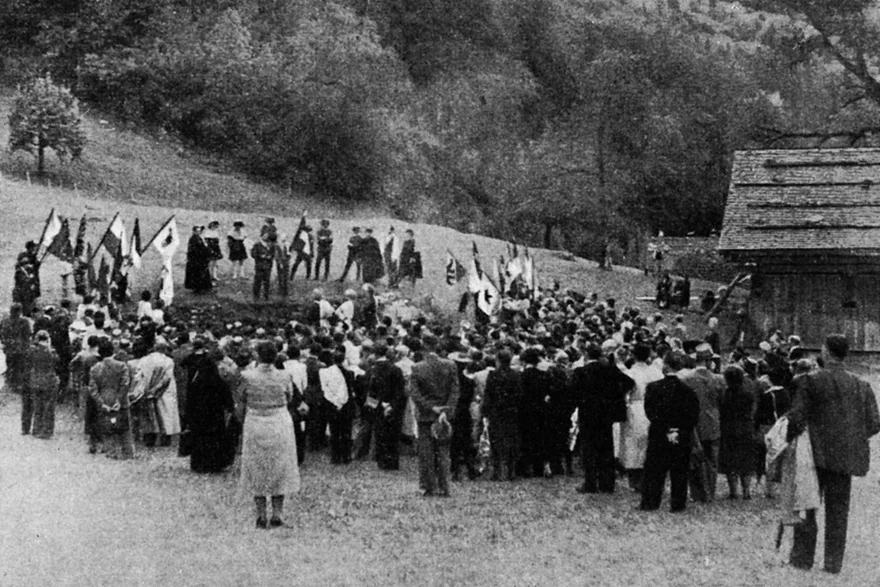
(568, 123)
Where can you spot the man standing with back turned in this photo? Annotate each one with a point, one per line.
(434, 385)
(840, 411)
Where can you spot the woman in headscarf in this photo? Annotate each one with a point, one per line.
(268, 457)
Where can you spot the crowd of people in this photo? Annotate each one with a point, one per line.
(395, 257)
(558, 384)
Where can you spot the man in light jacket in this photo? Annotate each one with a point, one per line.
(840, 411)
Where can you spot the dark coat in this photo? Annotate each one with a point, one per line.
(669, 403)
(501, 402)
(434, 382)
(841, 412)
(600, 392)
(709, 388)
(386, 384)
(372, 267)
(198, 257)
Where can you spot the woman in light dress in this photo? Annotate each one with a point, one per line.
(634, 432)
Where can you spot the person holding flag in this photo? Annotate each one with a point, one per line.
(166, 241)
(304, 246)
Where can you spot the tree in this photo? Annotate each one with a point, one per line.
(45, 115)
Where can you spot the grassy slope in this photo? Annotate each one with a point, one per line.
(150, 179)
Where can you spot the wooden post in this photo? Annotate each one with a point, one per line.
(720, 303)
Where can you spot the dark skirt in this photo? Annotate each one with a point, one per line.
(737, 455)
(237, 250)
(214, 248)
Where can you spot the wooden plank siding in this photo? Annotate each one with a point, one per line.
(813, 306)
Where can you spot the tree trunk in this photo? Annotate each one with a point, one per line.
(41, 156)
(548, 234)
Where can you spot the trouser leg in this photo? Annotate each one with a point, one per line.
(27, 410)
(260, 503)
(590, 458)
(349, 261)
(300, 436)
(803, 548)
(605, 458)
(678, 474)
(656, 465)
(711, 450)
(836, 489)
(427, 469)
(443, 465)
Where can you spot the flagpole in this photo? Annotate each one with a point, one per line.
(147, 246)
(104, 236)
(45, 228)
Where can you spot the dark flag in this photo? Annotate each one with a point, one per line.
(455, 271)
(60, 245)
(80, 246)
(103, 282)
(91, 280)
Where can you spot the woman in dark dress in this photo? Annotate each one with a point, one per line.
(198, 259)
(237, 248)
(372, 266)
(737, 457)
(209, 402)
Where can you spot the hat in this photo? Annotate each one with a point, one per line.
(270, 220)
(704, 351)
(237, 224)
(765, 346)
(325, 222)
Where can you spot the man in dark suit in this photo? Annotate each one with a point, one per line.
(434, 391)
(386, 386)
(601, 390)
(673, 409)
(354, 254)
(840, 411)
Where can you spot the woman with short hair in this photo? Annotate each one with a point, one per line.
(268, 458)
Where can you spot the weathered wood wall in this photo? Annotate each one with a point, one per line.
(813, 305)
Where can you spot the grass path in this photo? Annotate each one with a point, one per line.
(74, 519)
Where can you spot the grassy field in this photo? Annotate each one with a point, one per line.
(70, 518)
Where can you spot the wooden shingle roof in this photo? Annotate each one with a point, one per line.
(803, 202)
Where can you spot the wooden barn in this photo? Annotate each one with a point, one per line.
(806, 223)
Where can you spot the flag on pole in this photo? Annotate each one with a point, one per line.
(50, 231)
(91, 280)
(166, 240)
(488, 298)
(514, 266)
(80, 246)
(134, 248)
(60, 245)
(114, 238)
(455, 271)
(166, 291)
(529, 274)
(475, 275)
(103, 282)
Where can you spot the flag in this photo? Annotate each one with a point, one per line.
(529, 274)
(301, 238)
(455, 271)
(80, 246)
(497, 276)
(166, 291)
(91, 280)
(488, 298)
(514, 266)
(166, 240)
(114, 239)
(134, 248)
(475, 274)
(50, 231)
(60, 245)
(103, 283)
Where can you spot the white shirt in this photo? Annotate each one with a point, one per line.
(334, 386)
(144, 309)
(297, 371)
(345, 311)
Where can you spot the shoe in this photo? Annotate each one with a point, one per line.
(583, 489)
(276, 522)
(261, 523)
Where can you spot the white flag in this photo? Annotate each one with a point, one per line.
(115, 240)
(488, 298)
(166, 294)
(167, 240)
(51, 230)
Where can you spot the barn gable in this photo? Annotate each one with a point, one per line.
(821, 203)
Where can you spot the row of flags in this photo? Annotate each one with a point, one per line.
(123, 250)
(489, 287)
